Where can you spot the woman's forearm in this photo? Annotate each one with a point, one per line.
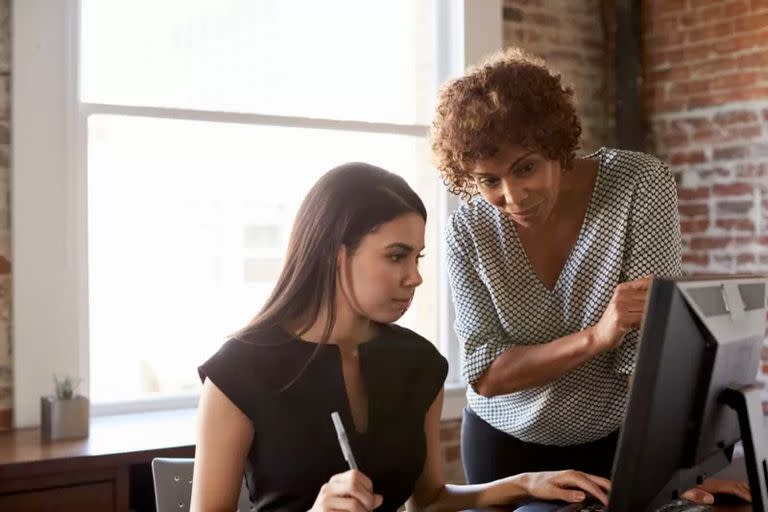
(462, 497)
(523, 367)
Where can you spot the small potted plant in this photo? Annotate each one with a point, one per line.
(66, 415)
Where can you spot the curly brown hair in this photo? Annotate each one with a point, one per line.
(511, 98)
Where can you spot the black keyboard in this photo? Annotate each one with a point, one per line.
(672, 506)
(592, 505)
(683, 506)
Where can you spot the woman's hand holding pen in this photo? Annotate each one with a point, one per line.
(623, 314)
(351, 491)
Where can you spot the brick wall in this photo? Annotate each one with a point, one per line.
(706, 94)
(449, 439)
(5, 238)
(570, 36)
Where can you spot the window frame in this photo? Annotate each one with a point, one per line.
(49, 196)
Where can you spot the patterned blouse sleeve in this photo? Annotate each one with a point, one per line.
(654, 242)
(477, 324)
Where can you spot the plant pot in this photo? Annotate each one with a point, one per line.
(64, 419)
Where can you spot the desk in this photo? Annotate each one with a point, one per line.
(715, 508)
(105, 472)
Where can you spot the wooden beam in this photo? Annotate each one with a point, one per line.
(630, 119)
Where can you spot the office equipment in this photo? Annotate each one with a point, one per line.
(694, 394)
(172, 480)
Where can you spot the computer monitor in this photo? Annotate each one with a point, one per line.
(694, 392)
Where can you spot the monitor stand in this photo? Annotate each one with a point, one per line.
(747, 402)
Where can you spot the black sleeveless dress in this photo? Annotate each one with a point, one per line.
(295, 449)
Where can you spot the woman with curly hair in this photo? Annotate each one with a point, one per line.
(549, 260)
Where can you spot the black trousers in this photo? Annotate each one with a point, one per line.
(489, 454)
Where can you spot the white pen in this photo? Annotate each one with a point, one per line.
(343, 441)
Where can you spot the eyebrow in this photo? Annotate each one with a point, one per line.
(400, 245)
(481, 174)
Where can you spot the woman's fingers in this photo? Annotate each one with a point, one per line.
(355, 485)
(345, 504)
(604, 483)
(581, 482)
(698, 495)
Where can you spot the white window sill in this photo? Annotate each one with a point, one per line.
(453, 404)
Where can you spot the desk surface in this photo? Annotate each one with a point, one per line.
(126, 436)
(131, 437)
(716, 508)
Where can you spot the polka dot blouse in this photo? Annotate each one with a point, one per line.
(631, 229)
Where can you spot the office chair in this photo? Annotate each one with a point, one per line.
(173, 486)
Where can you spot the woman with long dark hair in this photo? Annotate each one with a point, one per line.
(325, 341)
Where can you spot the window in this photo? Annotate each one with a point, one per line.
(189, 209)
(181, 137)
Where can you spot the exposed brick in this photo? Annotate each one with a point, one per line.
(685, 194)
(451, 453)
(687, 19)
(670, 5)
(694, 226)
(710, 243)
(671, 74)
(450, 433)
(759, 149)
(666, 40)
(738, 81)
(695, 53)
(544, 20)
(676, 141)
(735, 224)
(750, 240)
(735, 117)
(709, 67)
(696, 259)
(735, 8)
(688, 157)
(753, 22)
(745, 259)
(710, 32)
(690, 87)
(732, 44)
(708, 135)
(751, 170)
(512, 14)
(691, 123)
(732, 189)
(745, 132)
(711, 13)
(666, 57)
(524, 3)
(751, 60)
(730, 153)
(693, 209)
(734, 207)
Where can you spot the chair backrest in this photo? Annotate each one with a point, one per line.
(173, 486)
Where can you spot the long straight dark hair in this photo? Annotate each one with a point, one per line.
(346, 203)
